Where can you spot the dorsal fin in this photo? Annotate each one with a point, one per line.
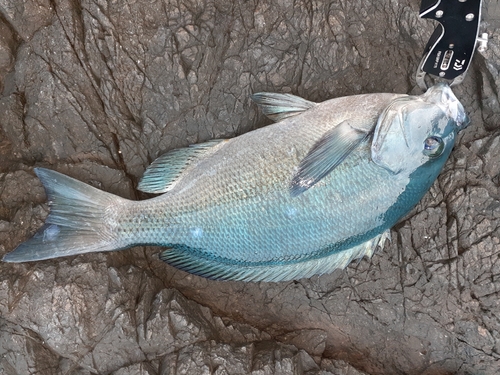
(280, 106)
(162, 174)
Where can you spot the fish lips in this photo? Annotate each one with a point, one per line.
(442, 95)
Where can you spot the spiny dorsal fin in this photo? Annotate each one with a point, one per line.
(162, 174)
(331, 150)
(280, 106)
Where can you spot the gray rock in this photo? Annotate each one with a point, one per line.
(98, 89)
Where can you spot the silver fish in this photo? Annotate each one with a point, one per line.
(300, 197)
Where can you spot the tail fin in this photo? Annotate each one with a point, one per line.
(80, 221)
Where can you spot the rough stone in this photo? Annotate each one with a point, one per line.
(98, 89)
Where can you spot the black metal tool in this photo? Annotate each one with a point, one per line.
(450, 49)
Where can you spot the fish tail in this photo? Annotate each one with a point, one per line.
(81, 220)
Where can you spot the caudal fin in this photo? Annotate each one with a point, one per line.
(81, 220)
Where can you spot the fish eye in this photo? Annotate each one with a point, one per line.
(433, 146)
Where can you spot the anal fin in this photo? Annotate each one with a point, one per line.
(189, 260)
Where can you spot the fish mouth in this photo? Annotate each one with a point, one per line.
(442, 95)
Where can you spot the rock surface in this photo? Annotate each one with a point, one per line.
(98, 89)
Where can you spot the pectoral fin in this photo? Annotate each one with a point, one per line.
(162, 174)
(280, 106)
(332, 148)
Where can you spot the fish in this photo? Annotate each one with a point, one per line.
(303, 196)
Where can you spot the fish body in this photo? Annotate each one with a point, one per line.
(303, 196)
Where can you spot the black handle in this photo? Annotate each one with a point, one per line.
(451, 47)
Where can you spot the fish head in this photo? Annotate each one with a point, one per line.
(413, 131)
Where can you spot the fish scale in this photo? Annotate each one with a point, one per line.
(319, 218)
(303, 196)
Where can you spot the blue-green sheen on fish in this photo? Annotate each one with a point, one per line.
(300, 197)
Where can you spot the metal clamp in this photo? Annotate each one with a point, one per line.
(482, 42)
(449, 51)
